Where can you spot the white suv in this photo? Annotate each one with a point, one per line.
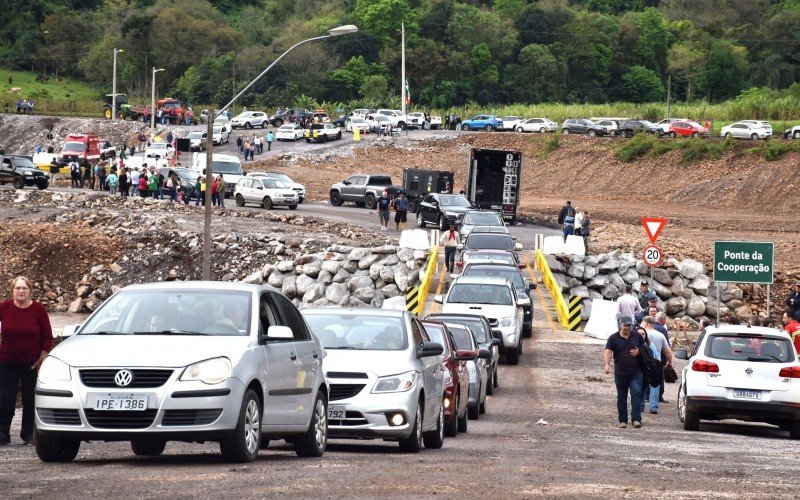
(741, 372)
(266, 192)
(250, 119)
(396, 116)
(495, 298)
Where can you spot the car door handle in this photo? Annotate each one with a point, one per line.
(293, 356)
(316, 354)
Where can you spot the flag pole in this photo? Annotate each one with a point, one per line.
(403, 67)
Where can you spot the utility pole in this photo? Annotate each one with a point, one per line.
(669, 88)
(403, 67)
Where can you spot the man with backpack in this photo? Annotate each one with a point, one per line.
(567, 219)
(625, 346)
(662, 355)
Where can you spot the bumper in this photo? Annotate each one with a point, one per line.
(716, 408)
(285, 202)
(175, 411)
(367, 415)
(510, 337)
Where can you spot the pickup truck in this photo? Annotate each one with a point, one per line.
(362, 189)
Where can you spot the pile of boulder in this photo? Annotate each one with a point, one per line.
(684, 289)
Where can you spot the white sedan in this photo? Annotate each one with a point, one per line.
(746, 130)
(741, 372)
(289, 132)
(540, 125)
(160, 150)
(356, 122)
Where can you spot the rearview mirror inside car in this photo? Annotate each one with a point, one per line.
(276, 332)
(681, 353)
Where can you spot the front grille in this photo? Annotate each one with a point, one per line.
(59, 417)
(344, 391)
(351, 418)
(142, 378)
(191, 417)
(347, 375)
(102, 419)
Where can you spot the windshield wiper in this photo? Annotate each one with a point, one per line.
(169, 332)
(759, 358)
(104, 332)
(345, 347)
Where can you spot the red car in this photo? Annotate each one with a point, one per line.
(489, 256)
(686, 129)
(456, 378)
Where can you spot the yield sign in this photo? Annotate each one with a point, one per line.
(653, 227)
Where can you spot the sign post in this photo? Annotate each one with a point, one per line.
(744, 262)
(652, 255)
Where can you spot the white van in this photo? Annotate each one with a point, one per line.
(228, 165)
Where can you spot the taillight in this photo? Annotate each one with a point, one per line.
(701, 365)
(790, 372)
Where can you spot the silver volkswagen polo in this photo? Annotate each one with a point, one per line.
(185, 361)
(385, 376)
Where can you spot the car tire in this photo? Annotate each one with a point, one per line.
(315, 440)
(264, 124)
(451, 427)
(369, 201)
(55, 449)
(18, 183)
(482, 407)
(796, 135)
(247, 125)
(542, 130)
(512, 357)
(308, 140)
(463, 422)
(527, 331)
(267, 203)
(434, 439)
(412, 206)
(690, 419)
(403, 126)
(464, 127)
(495, 378)
(414, 442)
(292, 207)
(695, 135)
(489, 387)
(474, 413)
(242, 444)
(42, 185)
(442, 223)
(335, 199)
(488, 128)
(519, 130)
(592, 133)
(794, 430)
(728, 136)
(239, 200)
(754, 137)
(339, 135)
(565, 131)
(672, 135)
(148, 447)
(420, 220)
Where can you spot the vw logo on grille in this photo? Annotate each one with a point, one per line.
(749, 371)
(123, 378)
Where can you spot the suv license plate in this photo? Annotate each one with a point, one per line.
(746, 394)
(336, 413)
(120, 402)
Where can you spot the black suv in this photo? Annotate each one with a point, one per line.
(631, 127)
(582, 126)
(20, 171)
(442, 209)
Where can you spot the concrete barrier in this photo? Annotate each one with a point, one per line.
(603, 320)
(553, 245)
(574, 245)
(415, 238)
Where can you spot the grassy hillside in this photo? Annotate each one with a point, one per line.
(57, 96)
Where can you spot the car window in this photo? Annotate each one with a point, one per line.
(291, 317)
(267, 313)
(436, 333)
(489, 241)
(417, 333)
(510, 273)
(428, 199)
(483, 219)
(462, 337)
(749, 348)
(358, 332)
(477, 293)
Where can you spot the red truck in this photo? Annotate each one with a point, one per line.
(83, 148)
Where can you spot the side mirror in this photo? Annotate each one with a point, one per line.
(260, 187)
(484, 354)
(532, 286)
(518, 246)
(497, 341)
(346, 183)
(280, 333)
(466, 355)
(681, 353)
(439, 299)
(521, 266)
(523, 301)
(69, 330)
(430, 349)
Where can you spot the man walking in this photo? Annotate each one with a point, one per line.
(75, 173)
(627, 305)
(645, 294)
(239, 144)
(401, 210)
(270, 138)
(661, 326)
(793, 302)
(383, 204)
(221, 190)
(585, 230)
(449, 241)
(567, 219)
(625, 347)
(662, 354)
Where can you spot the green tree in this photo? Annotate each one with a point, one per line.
(653, 42)
(641, 84)
(541, 74)
(375, 89)
(686, 60)
(508, 9)
(722, 76)
(64, 36)
(382, 18)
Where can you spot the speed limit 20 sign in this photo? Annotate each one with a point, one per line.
(652, 255)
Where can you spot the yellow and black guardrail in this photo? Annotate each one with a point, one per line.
(569, 314)
(415, 298)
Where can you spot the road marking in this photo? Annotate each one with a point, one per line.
(541, 296)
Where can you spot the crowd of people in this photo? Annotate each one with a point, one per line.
(575, 222)
(248, 147)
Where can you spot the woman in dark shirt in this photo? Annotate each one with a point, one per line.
(25, 339)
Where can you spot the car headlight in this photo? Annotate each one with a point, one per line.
(27, 172)
(448, 376)
(451, 214)
(506, 322)
(210, 371)
(53, 369)
(395, 383)
(511, 337)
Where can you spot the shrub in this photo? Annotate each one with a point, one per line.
(640, 145)
(551, 146)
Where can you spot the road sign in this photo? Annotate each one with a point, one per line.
(653, 227)
(652, 255)
(743, 261)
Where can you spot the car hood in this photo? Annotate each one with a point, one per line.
(488, 310)
(455, 210)
(377, 363)
(147, 350)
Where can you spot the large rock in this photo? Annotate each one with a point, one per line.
(732, 292)
(711, 309)
(554, 264)
(325, 277)
(609, 266)
(76, 306)
(304, 284)
(367, 261)
(285, 266)
(677, 287)
(642, 268)
(630, 276)
(350, 266)
(337, 293)
(315, 292)
(357, 254)
(289, 286)
(610, 292)
(662, 276)
(661, 290)
(744, 312)
(591, 260)
(312, 268)
(700, 284)
(589, 272)
(359, 282)
(405, 254)
(616, 280)
(598, 282)
(690, 268)
(561, 280)
(341, 276)
(576, 270)
(276, 279)
(696, 307)
(385, 249)
(364, 294)
(580, 291)
(675, 305)
(256, 278)
(386, 274)
(390, 290)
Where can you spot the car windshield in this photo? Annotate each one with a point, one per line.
(462, 338)
(489, 241)
(227, 167)
(476, 325)
(286, 128)
(196, 135)
(172, 312)
(352, 331)
(478, 293)
(436, 334)
(74, 146)
(281, 177)
(24, 163)
(750, 348)
(357, 120)
(244, 116)
(495, 257)
(511, 273)
(274, 184)
(483, 219)
(158, 145)
(646, 123)
(454, 201)
(217, 130)
(380, 181)
(186, 174)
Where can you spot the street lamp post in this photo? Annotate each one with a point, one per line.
(114, 86)
(338, 31)
(153, 99)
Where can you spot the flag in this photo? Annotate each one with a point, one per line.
(408, 93)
